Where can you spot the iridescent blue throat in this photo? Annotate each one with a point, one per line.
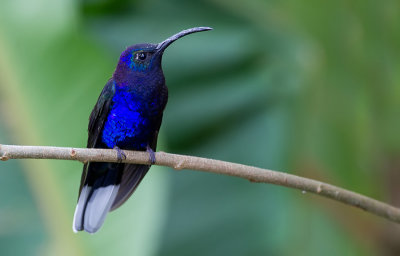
(127, 125)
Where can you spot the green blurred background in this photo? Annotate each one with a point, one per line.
(307, 87)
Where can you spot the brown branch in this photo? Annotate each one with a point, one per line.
(180, 162)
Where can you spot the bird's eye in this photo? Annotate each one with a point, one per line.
(141, 56)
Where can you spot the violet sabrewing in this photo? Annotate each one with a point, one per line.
(127, 115)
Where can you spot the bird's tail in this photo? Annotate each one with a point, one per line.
(98, 192)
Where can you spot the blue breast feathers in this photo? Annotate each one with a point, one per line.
(127, 125)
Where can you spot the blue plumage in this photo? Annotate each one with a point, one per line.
(127, 115)
(127, 125)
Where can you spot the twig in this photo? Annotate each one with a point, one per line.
(180, 162)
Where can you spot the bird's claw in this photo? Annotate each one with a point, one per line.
(152, 156)
(120, 154)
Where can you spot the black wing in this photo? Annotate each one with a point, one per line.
(96, 121)
(99, 113)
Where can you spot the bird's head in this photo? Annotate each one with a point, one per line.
(138, 57)
(143, 58)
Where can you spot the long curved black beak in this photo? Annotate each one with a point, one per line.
(164, 44)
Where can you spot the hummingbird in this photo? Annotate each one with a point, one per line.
(127, 116)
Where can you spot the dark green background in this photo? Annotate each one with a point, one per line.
(306, 87)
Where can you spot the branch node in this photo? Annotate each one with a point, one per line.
(4, 157)
(319, 188)
(73, 153)
(180, 165)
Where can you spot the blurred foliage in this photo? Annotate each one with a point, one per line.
(312, 88)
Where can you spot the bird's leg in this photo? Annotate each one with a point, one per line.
(120, 154)
(152, 156)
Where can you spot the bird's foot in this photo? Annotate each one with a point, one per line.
(120, 154)
(152, 156)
